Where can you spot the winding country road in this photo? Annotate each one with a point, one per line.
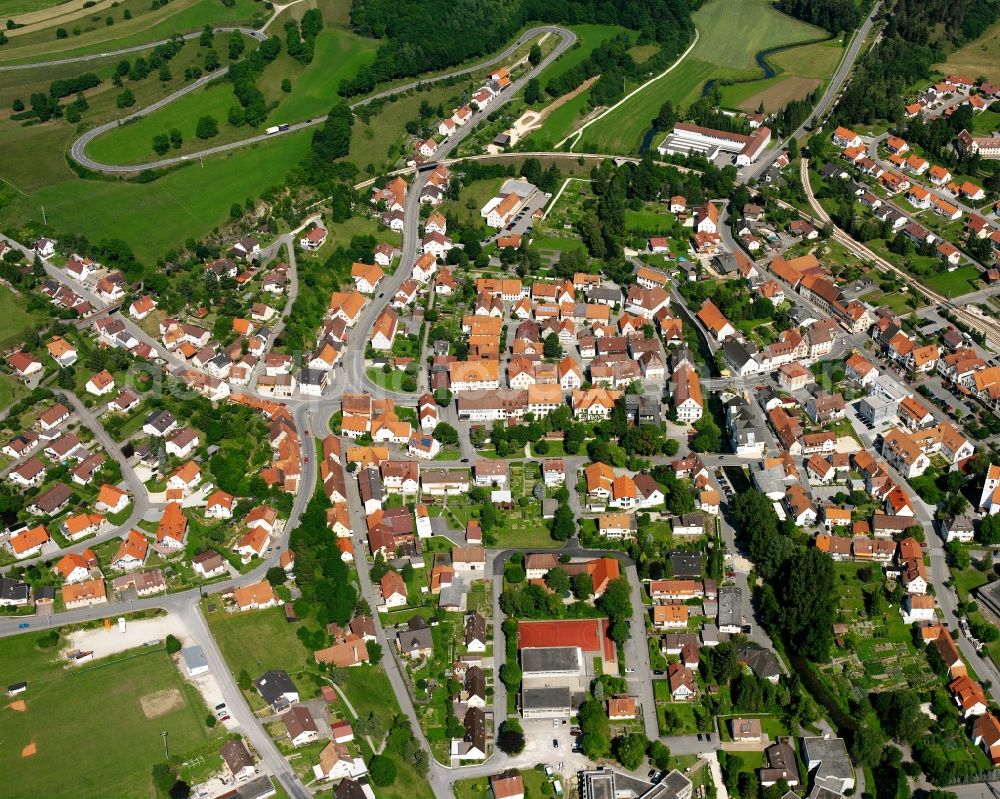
(78, 148)
(252, 32)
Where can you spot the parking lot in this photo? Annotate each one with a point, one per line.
(522, 224)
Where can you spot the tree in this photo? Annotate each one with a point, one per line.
(207, 128)
(382, 770)
(510, 675)
(126, 99)
(810, 603)
(176, 139)
(630, 749)
(583, 585)
(958, 555)
(535, 55)
(276, 576)
(446, 434)
(563, 523)
(510, 737)
(161, 144)
(866, 745)
(557, 580)
(708, 437)
(532, 91)
(551, 348)
(236, 45)
(286, 85)
(666, 118)
(173, 645)
(205, 40)
(988, 531)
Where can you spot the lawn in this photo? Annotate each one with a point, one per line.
(479, 788)
(15, 320)
(953, 284)
(392, 381)
(475, 194)
(370, 693)
(10, 391)
(188, 202)
(723, 50)
(83, 719)
(146, 25)
(978, 57)
(986, 122)
(258, 641)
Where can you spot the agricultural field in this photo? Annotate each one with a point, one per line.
(129, 699)
(977, 58)
(39, 42)
(722, 52)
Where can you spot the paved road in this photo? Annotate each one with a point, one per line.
(256, 34)
(826, 101)
(78, 154)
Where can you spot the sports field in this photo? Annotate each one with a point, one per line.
(978, 57)
(95, 729)
(188, 202)
(724, 50)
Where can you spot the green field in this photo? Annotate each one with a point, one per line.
(93, 738)
(261, 640)
(979, 57)
(953, 284)
(11, 391)
(560, 123)
(723, 50)
(15, 320)
(185, 203)
(589, 37)
(178, 16)
(338, 54)
(132, 143)
(479, 788)
(986, 122)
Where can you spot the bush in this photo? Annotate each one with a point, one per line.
(382, 770)
(173, 645)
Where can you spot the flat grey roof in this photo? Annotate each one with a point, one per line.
(730, 605)
(543, 698)
(194, 657)
(551, 658)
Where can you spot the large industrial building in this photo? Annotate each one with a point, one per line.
(688, 139)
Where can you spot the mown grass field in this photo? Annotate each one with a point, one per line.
(187, 202)
(15, 320)
(259, 641)
(953, 284)
(146, 25)
(723, 50)
(986, 122)
(589, 37)
(133, 143)
(92, 736)
(978, 57)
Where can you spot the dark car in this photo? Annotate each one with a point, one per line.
(555, 743)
